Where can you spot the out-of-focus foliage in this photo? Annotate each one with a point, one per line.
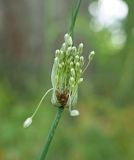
(30, 32)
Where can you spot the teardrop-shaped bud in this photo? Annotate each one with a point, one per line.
(27, 122)
(74, 113)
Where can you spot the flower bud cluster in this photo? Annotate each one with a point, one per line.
(66, 75)
(67, 71)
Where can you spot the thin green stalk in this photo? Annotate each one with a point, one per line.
(75, 10)
(51, 133)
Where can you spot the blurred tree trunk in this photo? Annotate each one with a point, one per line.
(21, 47)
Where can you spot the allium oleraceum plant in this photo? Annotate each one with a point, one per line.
(67, 72)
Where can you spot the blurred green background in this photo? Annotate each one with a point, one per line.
(30, 32)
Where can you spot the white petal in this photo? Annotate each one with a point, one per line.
(74, 113)
(27, 122)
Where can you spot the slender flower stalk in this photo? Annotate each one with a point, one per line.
(29, 120)
(75, 11)
(51, 133)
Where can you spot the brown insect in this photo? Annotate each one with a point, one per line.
(62, 97)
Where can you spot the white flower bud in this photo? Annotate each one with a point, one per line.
(80, 48)
(80, 80)
(66, 36)
(77, 57)
(27, 122)
(61, 54)
(81, 45)
(56, 60)
(71, 80)
(91, 55)
(71, 64)
(68, 39)
(74, 49)
(57, 52)
(74, 113)
(68, 51)
(77, 64)
(63, 47)
(92, 52)
(81, 58)
(73, 72)
(70, 42)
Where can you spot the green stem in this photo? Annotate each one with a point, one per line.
(51, 133)
(75, 10)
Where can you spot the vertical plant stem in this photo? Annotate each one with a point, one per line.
(75, 10)
(51, 133)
